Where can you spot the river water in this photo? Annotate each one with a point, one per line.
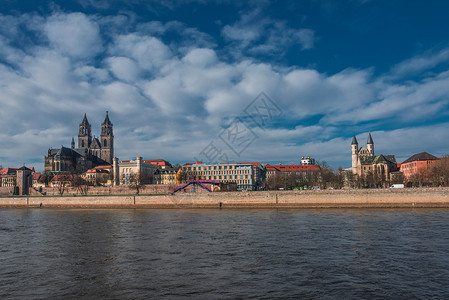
(224, 254)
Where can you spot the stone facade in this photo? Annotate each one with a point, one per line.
(366, 163)
(91, 152)
(128, 168)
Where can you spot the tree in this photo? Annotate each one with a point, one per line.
(136, 182)
(62, 183)
(80, 184)
(439, 172)
(46, 178)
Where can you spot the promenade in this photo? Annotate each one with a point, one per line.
(366, 198)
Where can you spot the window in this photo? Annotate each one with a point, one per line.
(105, 143)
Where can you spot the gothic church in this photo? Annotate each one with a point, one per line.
(91, 152)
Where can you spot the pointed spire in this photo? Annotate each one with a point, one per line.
(73, 143)
(354, 141)
(85, 122)
(106, 120)
(370, 140)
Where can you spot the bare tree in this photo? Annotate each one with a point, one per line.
(136, 181)
(439, 172)
(80, 184)
(62, 183)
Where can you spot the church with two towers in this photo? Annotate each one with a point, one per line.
(91, 151)
(365, 163)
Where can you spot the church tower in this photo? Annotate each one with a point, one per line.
(370, 145)
(85, 134)
(355, 154)
(107, 140)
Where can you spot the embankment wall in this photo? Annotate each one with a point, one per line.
(433, 197)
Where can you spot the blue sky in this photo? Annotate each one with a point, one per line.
(175, 75)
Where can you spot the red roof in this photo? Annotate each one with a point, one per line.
(61, 177)
(103, 167)
(12, 171)
(197, 163)
(96, 171)
(250, 163)
(158, 162)
(293, 168)
(36, 175)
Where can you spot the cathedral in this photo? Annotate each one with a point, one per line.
(364, 162)
(91, 151)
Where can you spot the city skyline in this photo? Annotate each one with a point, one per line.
(175, 75)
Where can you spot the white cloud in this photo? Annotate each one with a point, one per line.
(123, 68)
(148, 52)
(74, 34)
(170, 99)
(421, 63)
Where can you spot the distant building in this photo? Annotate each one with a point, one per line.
(416, 167)
(247, 176)
(289, 169)
(165, 176)
(365, 163)
(307, 161)
(137, 167)
(8, 177)
(91, 152)
(61, 180)
(160, 163)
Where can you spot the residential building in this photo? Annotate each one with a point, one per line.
(129, 168)
(307, 160)
(416, 167)
(61, 180)
(289, 169)
(247, 176)
(160, 163)
(97, 177)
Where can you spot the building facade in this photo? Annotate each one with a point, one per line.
(247, 176)
(91, 151)
(416, 168)
(366, 164)
(129, 168)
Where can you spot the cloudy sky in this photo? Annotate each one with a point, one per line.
(266, 81)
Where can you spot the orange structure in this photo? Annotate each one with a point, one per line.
(416, 167)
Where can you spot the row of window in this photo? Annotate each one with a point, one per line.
(231, 172)
(208, 168)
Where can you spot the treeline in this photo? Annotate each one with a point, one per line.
(324, 178)
(436, 175)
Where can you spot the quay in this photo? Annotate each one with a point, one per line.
(364, 198)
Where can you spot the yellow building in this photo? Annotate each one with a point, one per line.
(247, 176)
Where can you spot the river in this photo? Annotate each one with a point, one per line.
(224, 253)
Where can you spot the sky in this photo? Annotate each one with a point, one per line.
(225, 81)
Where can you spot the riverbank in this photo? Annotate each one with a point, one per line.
(372, 198)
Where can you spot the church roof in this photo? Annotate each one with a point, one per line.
(85, 122)
(65, 152)
(354, 141)
(379, 159)
(420, 156)
(370, 139)
(106, 120)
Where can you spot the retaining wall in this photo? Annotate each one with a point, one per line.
(434, 197)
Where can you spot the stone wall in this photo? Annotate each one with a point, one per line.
(436, 197)
(122, 189)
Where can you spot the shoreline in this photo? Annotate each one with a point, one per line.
(369, 198)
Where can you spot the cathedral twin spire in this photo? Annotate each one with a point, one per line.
(101, 147)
